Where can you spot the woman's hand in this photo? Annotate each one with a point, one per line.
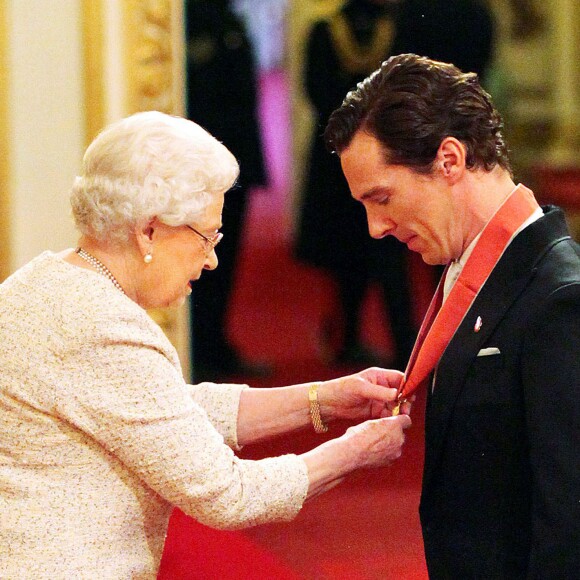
(373, 443)
(377, 442)
(368, 394)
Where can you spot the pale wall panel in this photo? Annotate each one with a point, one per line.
(46, 115)
(5, 260)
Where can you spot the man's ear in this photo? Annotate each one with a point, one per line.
(450, 159)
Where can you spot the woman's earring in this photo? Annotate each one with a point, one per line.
(148, 258)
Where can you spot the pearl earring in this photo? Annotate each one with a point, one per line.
(148, 258)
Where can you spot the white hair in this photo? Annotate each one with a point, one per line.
(149, 165)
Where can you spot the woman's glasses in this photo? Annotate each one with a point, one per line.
(210, 242)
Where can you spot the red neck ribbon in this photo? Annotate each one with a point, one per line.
(441, 321)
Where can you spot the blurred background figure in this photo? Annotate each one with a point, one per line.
(332, 229)
(456, 31)
(221, 93)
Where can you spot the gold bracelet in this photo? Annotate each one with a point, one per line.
(317, 423)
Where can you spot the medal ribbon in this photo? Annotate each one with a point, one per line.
(442, 321)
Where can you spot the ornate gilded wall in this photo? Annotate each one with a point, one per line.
(151, 52)
(94, 38)
(154, 52)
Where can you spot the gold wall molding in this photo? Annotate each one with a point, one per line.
(93, 45)
(5, 241)
(153, 31)
(152, 53)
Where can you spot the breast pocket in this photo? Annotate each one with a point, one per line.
(485, 381)
(489, 408)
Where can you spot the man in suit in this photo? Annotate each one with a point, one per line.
(421, 146)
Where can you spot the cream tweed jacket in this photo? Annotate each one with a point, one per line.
(100, 436)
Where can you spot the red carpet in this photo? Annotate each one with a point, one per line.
(367, 528)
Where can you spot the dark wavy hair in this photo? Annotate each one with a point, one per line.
(410, 104)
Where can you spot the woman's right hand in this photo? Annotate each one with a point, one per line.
(374, 443)
(378, 442)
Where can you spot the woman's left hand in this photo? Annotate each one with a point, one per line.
(368, 394)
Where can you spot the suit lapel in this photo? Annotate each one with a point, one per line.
(509, 279)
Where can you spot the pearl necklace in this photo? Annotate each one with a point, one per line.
(100, 267)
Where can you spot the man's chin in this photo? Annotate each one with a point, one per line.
(432, 260)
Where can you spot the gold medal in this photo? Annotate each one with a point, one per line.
(397, 408)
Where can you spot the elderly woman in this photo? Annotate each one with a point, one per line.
(100, 436)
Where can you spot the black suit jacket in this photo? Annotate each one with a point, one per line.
(501, 485)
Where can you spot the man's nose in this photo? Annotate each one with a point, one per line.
(380, 226)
